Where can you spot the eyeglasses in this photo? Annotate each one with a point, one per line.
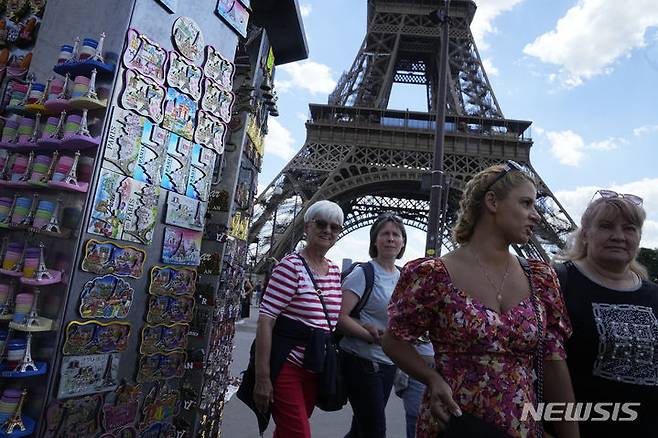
(322, 224)
(510, 166)
(610, 194)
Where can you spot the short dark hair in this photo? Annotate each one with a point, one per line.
(378, 225)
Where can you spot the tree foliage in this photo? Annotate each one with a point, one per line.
(649, 258)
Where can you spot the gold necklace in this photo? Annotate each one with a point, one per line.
(499, 289)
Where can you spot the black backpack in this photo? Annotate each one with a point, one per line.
(369, 272)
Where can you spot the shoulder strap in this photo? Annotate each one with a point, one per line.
(369, 273)
(318, 291)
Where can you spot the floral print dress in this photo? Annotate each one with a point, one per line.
(486, 357)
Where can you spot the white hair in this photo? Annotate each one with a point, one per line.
(327, 210)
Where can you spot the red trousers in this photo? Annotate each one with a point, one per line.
(295, 392)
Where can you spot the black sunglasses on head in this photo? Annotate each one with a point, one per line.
(510, 165)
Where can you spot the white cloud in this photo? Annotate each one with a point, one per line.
(592, 35)
(308, 75)
(570, 148)
(489, 67)
(646, 129)
(305, 9)
(575, 201)
(302, 117)
(279, 141)
(487, 11)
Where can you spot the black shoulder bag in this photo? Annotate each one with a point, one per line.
(332, 394)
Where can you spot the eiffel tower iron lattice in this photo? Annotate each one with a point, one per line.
(370, 159)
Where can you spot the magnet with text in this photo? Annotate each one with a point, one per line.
(167, 310)
(167, 280)
(144, 56)
(218, 68)
(95, 337)
(185, 212)
(217, 101)
(188, 38)
(106, 297)
(161, 366)
(143, 96)
(104, 257)
(183, 76)
(210, 132)
(181, 246)
(82, 375)
(163, 338)
(179, 114)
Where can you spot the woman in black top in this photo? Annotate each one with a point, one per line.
(613, 352)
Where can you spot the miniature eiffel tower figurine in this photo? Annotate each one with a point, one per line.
(10, 213)
(3, 248)
(16, 420)
(91, 93)
(76, 47)
(6, 309)
(51, 169)
(63, 94)
(37, 125)
(27, 361)
(72, 176)
(27, 94)
(4, 173)
(32, 318)
(18, 267)
(83, 130)
(42, 272)
(44, 96)
(28, 170)
(98, 56)
(59, 130)
(53, 224)
(27, 220)
(107, 374)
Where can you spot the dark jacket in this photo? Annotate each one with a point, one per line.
(287, 334)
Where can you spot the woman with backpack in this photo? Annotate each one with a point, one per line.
(367, 290)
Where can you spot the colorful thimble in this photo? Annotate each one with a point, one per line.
(12, 255)
(40, 168)
(44, 212)
(65, 54)
(36, 93)
(80, 86)
(5, 206)
(50, 128)
(25, 129)
(56, 88)
(23, 306)
(10, 398)
(19, 167)
(21, 209)
(85, 168)
(15, 353)
(10, 131)
(63, 167)
(88, 48)
(72, 125)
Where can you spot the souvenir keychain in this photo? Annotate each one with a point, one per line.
(90, 374)
(144, 56)
(106, 297)
(104, 257)
(95, 337)
(167, 280)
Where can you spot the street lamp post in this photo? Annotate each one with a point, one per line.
(433, 242)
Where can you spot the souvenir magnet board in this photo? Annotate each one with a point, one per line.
(106, 297)
(82, 375)
(105, 257)
(144, 56)
(167, 280)
(95, 337)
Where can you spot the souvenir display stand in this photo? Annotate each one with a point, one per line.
(112, 144)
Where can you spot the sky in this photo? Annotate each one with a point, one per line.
(585, 72)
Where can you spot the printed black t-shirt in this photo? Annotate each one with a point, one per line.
(613, 352)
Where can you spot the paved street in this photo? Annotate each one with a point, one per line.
(240, 422)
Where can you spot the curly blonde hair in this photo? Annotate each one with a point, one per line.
(472, 200)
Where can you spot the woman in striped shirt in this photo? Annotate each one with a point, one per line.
(284, 382)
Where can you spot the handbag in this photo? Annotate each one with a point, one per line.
(471, 426)
(332, 394)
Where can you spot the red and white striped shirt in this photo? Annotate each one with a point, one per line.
(290, 292)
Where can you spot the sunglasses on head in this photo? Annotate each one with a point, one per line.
(389, 216)
(610, 194)
(510, 165)
(322, 224)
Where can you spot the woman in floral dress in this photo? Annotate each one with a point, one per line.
(481, 314)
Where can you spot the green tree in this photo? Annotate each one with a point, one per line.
(649, 258)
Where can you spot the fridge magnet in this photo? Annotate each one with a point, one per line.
(103, 257)
(75, 417)
(218, 68)
(188, 38)
(179, 114)
(141, 213)
(159, 430)
(164, 309)
(210, 132)
(185, 212)
(142, 96)
(82, 375)
(126, 432)
(217, 101)
(108, 210)
(163, 338)
(183, 76)
(210, 263)
(123, 411)
(200, 174)
(95, 337)
(165, 366)
(176, 164)
(235, 14)
(160, 403)
(167, 280)
(181, 247)
(106, 297)
(145, 56)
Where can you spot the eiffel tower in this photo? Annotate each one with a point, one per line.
(370, 159)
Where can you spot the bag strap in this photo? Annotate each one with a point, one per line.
(369, 273)
(539, 355)
(318, 291)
